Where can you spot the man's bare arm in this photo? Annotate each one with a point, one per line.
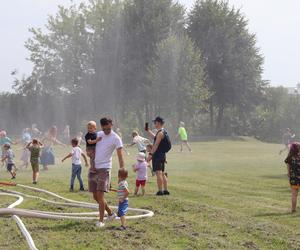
(157, 142)
(151, 134)
(120, 157)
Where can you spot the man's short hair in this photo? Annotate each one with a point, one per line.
(75, 141)
(159, 120)
(106, 121)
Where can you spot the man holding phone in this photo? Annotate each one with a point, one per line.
(161, 146)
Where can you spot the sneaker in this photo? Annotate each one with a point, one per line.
(71, 190)
(34, 182)
(111, 217)
(81, 189)
(166, 192)
(122, 228)
(100, 224)
(159, 193)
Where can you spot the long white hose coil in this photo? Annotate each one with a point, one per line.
(11, 210)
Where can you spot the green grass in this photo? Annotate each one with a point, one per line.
(224, 195)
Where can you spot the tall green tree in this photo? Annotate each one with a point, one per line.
(59, 55)
(233, 62)
(146, 24)
(177, 80)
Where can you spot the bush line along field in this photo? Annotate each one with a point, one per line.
(224, 195)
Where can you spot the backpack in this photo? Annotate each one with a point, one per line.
(165, 144)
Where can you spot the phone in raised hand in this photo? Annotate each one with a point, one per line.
(146, 126)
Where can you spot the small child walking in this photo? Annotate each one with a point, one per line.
(141, 169)
(123, 193)
(76, 154)
(8, 156)
(34, 148)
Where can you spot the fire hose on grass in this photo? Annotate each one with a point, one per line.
(87, 216)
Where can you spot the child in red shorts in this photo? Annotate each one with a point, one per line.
(141, 169)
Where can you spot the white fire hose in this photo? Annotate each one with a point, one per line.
(88, 216)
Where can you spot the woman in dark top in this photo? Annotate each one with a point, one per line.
(293, 167)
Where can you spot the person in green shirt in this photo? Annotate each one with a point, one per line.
(182, 134)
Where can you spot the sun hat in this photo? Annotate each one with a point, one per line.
(141, 156)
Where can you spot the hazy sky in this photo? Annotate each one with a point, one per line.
(275, 22)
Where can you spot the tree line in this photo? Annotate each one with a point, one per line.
(134, 59)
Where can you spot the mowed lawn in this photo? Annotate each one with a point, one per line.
(224, 195)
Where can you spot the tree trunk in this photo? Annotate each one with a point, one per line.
(211, 114)
(219, 119)
(140, 118)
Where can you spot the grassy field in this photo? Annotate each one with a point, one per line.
(224, 195)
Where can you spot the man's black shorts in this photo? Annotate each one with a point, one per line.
(158, 164)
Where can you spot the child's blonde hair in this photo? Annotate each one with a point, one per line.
(134, 133)
(92, 124)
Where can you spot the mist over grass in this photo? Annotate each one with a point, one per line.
(224, 195)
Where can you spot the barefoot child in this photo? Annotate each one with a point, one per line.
(123, 193)
(76, 154)
(8, 156)
(34, 148)
(91, 140)
(141, 169)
